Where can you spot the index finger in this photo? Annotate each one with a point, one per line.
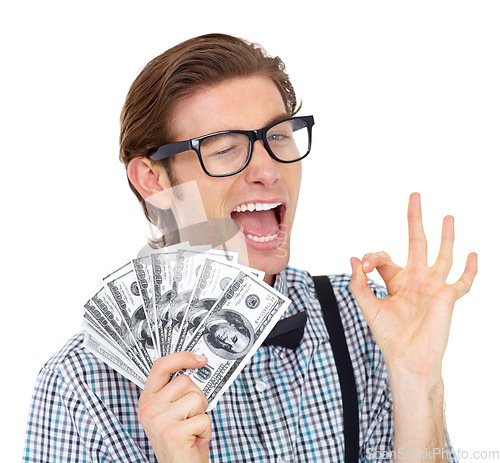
(417, 245)
(164, 367)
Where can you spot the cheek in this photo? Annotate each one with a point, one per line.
(186, 167)
(298, 180)
(293, 180)
(214, 193)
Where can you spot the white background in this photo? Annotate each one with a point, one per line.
(406, 98)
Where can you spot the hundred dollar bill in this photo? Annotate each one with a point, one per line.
(102, 311)
(212, 280)
(161, 274)
(232, 331)
(123, 287)
(143, 272)
(107, 304)
(188, 264)
(112, 358)
(167, 293)
(90, 325)
(161, 269)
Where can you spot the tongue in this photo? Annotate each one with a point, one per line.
(257, 223)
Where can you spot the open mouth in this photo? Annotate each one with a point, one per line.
(261, 222)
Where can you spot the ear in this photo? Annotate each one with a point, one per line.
(148, 178)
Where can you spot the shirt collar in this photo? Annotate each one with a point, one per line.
(298, 286)
(280, 283)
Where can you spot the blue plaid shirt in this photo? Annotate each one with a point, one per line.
(285, 406)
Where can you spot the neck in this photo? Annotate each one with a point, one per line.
(270, 279)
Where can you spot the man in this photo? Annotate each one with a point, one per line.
(286, 404)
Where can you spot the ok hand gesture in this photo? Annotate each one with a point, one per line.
(412, 323)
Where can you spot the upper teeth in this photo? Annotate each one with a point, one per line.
(256, 207)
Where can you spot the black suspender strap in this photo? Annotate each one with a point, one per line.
(343, 362)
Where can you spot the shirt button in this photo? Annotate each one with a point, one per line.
(260, 386)
(280, 460)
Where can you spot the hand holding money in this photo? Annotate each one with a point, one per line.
(181, 299)
(172, 412)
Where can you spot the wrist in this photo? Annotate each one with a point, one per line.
(418, 410)
(414, 387)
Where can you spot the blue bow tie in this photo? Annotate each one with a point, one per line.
(287, 332)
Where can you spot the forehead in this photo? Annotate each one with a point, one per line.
(237, 104)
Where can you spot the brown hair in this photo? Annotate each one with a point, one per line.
(176, 74)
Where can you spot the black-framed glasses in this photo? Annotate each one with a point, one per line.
(226, 153)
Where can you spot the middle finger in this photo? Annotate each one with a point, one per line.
(417, 246)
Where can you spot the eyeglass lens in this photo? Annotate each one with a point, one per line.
(224, 154)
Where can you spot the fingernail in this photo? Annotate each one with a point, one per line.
(366, 264)
(200, 358)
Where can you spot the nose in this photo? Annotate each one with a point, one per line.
(262, 168)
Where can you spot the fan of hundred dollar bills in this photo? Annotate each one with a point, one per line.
(182, 299)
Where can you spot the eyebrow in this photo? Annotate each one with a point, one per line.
(278, 118)
(273, 120)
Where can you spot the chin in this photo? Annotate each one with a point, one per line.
(270, 262)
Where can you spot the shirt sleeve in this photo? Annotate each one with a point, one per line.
(59, 428)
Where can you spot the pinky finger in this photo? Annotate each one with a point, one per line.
(200, 426)
(464, 284)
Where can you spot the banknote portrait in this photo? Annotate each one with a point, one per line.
(140, 328)
(178, 307)
(162, 305)
(228, 334)
(197, 312)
